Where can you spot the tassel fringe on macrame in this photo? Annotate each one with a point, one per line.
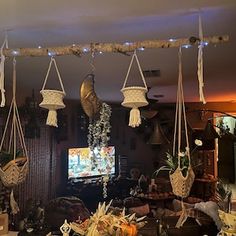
(52, 118)
(2, 73)
(14, 206)
(200, 63)
(134, 118)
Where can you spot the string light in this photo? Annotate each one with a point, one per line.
(128, 43)
(39, 47)
(51, 54)
(141, 49)
(15, 52)
(186, 46)
(172, 40)
(85, 50)
(73, 45)
(100, 52)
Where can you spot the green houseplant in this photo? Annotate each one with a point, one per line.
(171, 161)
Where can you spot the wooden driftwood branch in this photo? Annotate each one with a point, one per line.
(80, 49)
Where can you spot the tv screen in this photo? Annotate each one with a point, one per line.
(81, 164)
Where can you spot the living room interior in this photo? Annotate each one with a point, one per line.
(92, 143)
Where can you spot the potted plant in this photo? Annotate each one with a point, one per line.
(171, 161)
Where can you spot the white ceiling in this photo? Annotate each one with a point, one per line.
(57, 22)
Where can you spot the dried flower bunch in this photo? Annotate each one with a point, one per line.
(171, 162)
(104, 222)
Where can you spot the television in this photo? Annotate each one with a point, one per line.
(81, 162)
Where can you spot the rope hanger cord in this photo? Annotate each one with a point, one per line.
(180, 108)
(80, 49)
(200, 61)
(139, 67)
(16, 125)
(58, 74)
(2, 71)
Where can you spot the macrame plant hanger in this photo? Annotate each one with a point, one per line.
(134, 96)
(200, 61)
(52, 99)
(15, 171)
(181, 185)
(2, 72)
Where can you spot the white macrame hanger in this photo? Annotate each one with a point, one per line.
(139, 67)
(16, 125)
(200, 61)
(58, 74)
(180, 109)
(2, 71)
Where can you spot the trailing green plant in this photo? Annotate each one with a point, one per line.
(171, 161)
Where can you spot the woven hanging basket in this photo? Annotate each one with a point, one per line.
(134, 96)
(181, 185)
(52, 99)
(14, 172)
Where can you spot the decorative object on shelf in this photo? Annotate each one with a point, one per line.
(2, 72)
(143, 183)
(32, 221)
(200, 61)
(15, 171)
(90, 102)
(106, 221)
(134, 96)
(65, 228)
(52, 99)
(152, 186)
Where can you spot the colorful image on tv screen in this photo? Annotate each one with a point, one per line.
(82, 162)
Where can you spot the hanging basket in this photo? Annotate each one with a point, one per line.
(52, 99)
(181, 185)
(134, 96)
(14, 172)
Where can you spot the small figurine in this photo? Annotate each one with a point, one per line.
(65, 228)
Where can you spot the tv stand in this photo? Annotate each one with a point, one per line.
(90, 191)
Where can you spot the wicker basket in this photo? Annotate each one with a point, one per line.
(134, 97)
(181, 185)
(52, 99)
(14, 172)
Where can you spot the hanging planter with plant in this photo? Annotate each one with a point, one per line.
(14, 164)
